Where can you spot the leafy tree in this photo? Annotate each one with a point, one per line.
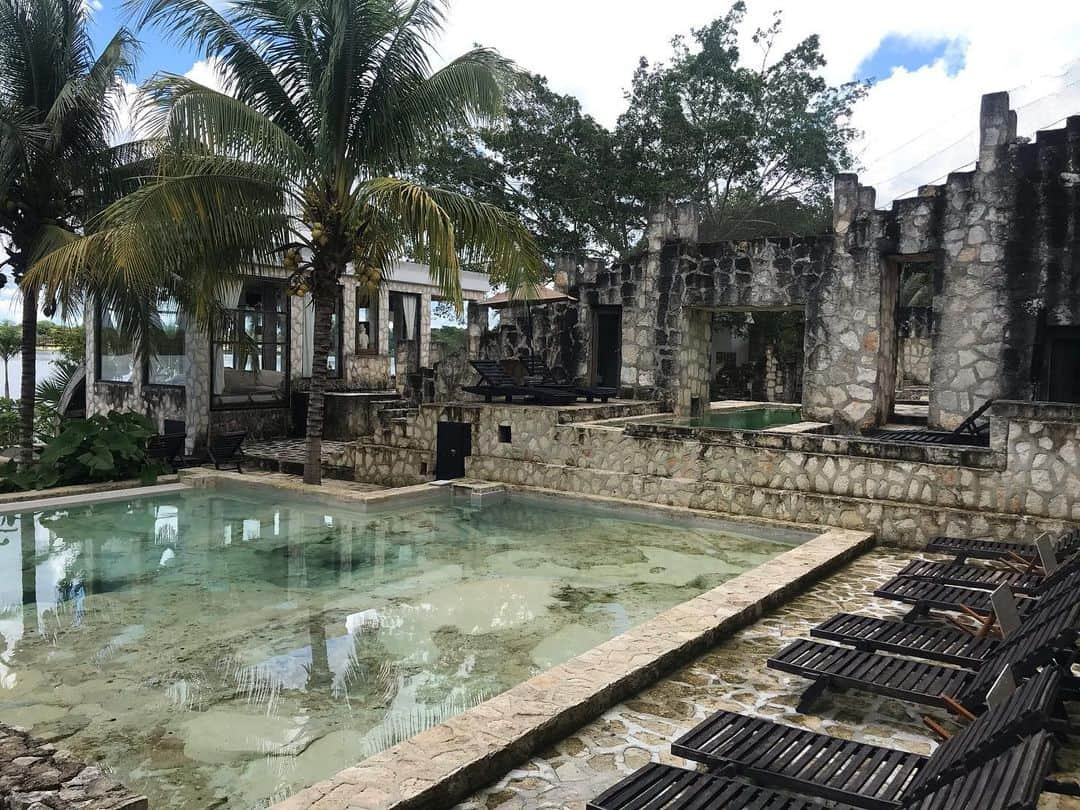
(10, 344)
(737, 138)
(57, 113)
(552, 165)
(303, 160)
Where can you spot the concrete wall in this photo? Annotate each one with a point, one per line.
(1028, 482)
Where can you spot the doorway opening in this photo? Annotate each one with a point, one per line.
(914, 331)
(607, 346)
(1061, 381)
(757, 355)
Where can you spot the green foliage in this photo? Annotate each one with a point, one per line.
(102, 448)
(754, 139)
(454, 338)
(734, 137)
(9, 422)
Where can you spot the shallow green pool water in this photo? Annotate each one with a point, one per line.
(752, 419)
(227, 648)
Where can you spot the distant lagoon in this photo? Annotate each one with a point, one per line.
(45, 369)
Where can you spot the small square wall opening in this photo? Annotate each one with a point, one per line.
(504, 434)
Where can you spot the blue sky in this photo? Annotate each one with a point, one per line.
(899, 52)
(158, 53)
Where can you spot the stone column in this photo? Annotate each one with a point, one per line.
(424, 337)
(970, 311)
(476, 324)
(844, 347)
(691, 395)
(198, 388)
(348, 326)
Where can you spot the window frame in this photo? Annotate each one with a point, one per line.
(99, 310)
(147, 383)
(281, 286)
(373, 322)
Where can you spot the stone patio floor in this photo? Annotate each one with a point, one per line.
(733, 676)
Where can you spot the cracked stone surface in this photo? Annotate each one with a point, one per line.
(733, 676)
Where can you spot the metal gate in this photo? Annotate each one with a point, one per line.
(453, 446)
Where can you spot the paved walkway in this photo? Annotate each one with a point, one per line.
(733, 676)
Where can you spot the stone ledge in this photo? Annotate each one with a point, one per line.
(446, 763)
(1036, 411)
(45, 495)
(37, 775)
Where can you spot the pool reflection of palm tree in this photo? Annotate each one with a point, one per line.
(27, 539)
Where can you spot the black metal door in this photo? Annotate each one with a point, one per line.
(453, 446)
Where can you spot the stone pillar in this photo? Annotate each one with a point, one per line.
(476, 324)
(199, 384)
(691, 395)
(425, 331)
(844, 336)
(348, 326)
(970, 310)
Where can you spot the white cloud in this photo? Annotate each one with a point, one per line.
(207, 72)
(590, 49)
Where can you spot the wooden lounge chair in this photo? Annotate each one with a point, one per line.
(967, 433)
(956, 690)
(925, 595)
(226, 449)
(166, 448)
(988, 578)
(863, 775)
(962, 645)
(1065, 545)
(1013, 780)
(497, 382)
(539, 369)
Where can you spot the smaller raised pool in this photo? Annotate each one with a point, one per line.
(742, 419)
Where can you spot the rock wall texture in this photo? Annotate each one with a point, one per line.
(1002, 242)
(35, 776)
(1027, 482)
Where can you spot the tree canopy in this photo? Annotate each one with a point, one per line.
(752, 136)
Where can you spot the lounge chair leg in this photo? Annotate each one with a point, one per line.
(812, 694)
(1061, 788)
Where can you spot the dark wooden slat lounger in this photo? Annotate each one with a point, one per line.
(944, 644)
(497, 383)
(859, 774)
(981, 577)
(925, 595)
(665, 787)
(830, 666)
(536, 367)
(981, 548)
(1012, 780)
(166, 448)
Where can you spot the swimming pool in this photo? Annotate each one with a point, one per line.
(226, 647)
(743, 419)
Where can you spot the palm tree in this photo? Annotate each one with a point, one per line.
(57, 113)
(10, 344)
(304, 161)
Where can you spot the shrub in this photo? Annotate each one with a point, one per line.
(101, 448)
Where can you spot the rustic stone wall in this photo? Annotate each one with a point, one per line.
(35, 775)
(1027, 483)
(692, 361)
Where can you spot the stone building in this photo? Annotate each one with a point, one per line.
(1001, 243)
(248, 377)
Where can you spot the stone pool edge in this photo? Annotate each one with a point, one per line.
(449, 762)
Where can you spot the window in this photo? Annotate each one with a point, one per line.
(168, 364)
(250, 354)
(115, 355)
(367, 315)
(333, 357)
(505, 434)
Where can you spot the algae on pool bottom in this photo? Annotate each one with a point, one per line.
(226, 648)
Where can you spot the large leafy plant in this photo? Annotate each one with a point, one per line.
(102, 448)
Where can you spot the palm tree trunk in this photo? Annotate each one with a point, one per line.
(29, 375)
(324, 311)
(7, 387)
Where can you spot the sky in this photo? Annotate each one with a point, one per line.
(929, 60)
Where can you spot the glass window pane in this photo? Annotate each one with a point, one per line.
(168, 366)
(250, 355)
(116, 353)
